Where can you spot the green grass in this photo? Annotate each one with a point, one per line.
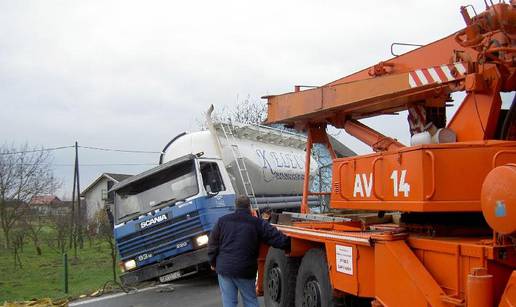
(42, 276)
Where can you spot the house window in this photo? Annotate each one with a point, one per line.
(110, 195)
(104, 194)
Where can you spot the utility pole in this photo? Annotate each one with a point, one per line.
(79, 209)
(72, 215)
(76, 217)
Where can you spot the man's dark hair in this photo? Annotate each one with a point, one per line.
(243, 202)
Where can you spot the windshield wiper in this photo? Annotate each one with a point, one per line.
(164, 201)
(127, 215)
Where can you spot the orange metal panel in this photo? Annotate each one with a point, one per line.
(382, 94)
(483, 106)
(322, 236)
(371, 137)
(509, 295)
(358, 278)
(401, 279)
(262, 254)
(299, 247)
(347, 226)
(449, 260)
(433, 54)
(425, 178)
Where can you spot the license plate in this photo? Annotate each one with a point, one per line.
(171, 276)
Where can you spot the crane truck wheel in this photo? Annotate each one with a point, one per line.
(313, 287)
(279, 279)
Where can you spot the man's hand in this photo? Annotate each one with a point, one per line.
(212, 267)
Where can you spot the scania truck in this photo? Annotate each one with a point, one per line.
(163, 216)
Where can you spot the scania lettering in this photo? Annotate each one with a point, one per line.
(152, 221)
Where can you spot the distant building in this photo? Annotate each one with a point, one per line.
(46, 205)
(44, 200)
(96, 195)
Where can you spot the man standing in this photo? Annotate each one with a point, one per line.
(233, 251)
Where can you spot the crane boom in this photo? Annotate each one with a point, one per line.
(382, 88)
(478, 59)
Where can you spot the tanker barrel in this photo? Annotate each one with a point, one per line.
(276, 199)
(285, 205)
(284, 202)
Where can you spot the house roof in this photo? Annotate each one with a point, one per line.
(44, 199)
(110, 176)
(117, 177)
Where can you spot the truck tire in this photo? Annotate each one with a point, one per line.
(279, 279)
(313, 287)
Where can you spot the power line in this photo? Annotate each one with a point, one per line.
(120, 150)
(92, 164)
(85, 147)
(110, 164)
(35, 150)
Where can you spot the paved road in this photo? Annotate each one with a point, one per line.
(201, 291)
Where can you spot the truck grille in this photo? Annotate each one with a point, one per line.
(160, 237)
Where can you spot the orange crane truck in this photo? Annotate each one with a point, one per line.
(431, 224)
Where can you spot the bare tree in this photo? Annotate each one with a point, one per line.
(246, 111)
(33, 223)
(24, 172)
(61, 224)
(105, 232)
(249, 111)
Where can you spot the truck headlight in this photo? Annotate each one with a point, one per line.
(202, 240)
(129, 265)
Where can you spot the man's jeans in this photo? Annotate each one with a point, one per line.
(229, 288)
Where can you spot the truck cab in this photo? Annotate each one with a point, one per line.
(163, 217)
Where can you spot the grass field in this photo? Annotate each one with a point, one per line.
(42, 276)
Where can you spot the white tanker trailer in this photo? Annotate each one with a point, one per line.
(264, 163)
(163, 216)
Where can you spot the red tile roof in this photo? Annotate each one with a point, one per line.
(44, 200)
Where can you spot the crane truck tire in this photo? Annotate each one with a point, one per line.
(279, 279)
(313, 287)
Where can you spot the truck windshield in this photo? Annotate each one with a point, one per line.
(172, 184)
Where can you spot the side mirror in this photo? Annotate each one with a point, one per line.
(209, 192)
(212, 194)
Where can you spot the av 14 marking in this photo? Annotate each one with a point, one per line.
(401, 185)
(363, 185)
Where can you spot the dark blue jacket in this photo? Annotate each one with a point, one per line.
(235, 241)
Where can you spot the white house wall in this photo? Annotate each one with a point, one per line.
(93, 198)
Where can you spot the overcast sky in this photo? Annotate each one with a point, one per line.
(133, 74)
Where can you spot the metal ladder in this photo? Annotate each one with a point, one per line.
(240, 163)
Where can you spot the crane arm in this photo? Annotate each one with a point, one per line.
(425, 76)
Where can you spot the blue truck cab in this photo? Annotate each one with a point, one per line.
(163, 217)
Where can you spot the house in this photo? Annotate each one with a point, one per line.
(96, 195)
(44, 200)
(47, 205)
